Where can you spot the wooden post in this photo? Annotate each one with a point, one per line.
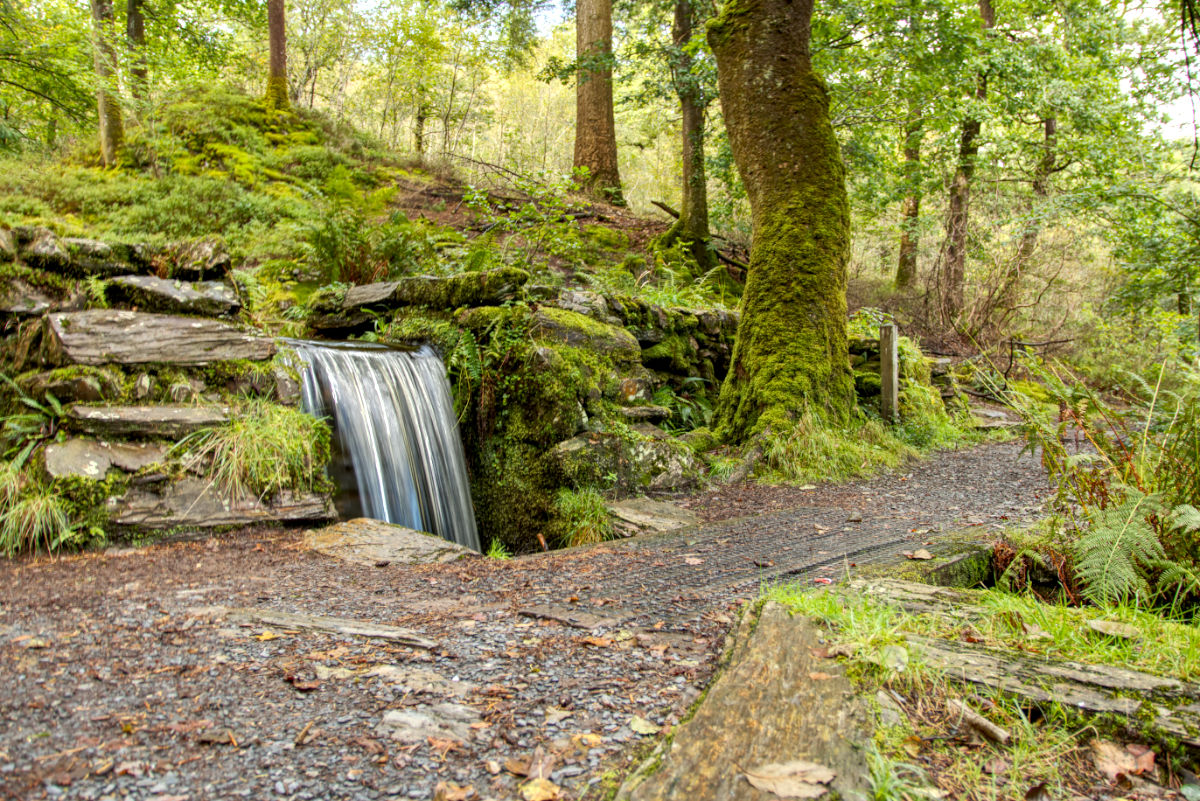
(889, 373)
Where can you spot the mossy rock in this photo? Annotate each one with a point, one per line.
(581, 331)
(77, 383)
(627, 461)
(487, 288)
(676, 353)
(867, 384)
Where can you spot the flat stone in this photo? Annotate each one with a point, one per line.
(576, 618)
(93, 257)
(645, 414)
(199, 259)
(108, 336)
(199, 503)
(420, 680)
(46, 252)
(160, 421)
(634, 516)
(444, 721)
(89, 458)
(368, 542)
(22, 299)
(582, 301)
(174, 296)
(92, 386)
(637, 461)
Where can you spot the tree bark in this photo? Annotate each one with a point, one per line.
(419, 128)
(108, 107)
(954, 250)
(692, 224)
(277, 81)
(910, 207)
(790, 355)
(595, 126)
(135, 37)
(1041, 189)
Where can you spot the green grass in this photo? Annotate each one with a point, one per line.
(32, 517)
(581, 517)
(263, 449)
(496, 550)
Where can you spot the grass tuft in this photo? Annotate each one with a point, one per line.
(582, 518)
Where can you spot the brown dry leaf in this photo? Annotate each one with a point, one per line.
(912, 746)
(920, 553)
(599, 642)
(820, 676)
(841, 649)
(517, 766)
(541, 790)
(587, 741)
(369, 745)
(556, 714)
(643, 726)
(267, 635)
(1112, 760)
(1038, 792)
(797, 779)
(1143, 757)
(997, 766)
(449, 791)
(1111, 628)
(693, 561)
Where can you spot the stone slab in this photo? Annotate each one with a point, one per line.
(89, 458)
(197, 503)
(111, 336)
(174, 296)
(370, 542)
(151, 422)
(634, 516)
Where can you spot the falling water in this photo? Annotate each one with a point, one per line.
(394, 420)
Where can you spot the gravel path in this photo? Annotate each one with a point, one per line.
(124, 679)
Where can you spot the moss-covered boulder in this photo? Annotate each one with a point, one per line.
(487, 288)
(627, 461)
(173, 296)
(69, 384)
(580, 331)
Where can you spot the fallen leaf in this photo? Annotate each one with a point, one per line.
(1111, 628)
(1112, 760)
(1143, 756)
(324, 673)
(822, 580)
(820, 676)
(920, 553)
(587, 741)
(997, 766)
(449, 791)
(267, 635)
(693, 561)
(369, 745)
(517, 766)
(37, 642)
(797, 779)
(912, 746)
(599, 642)
(643, 726)
(554, 714)
(841, 649)
(541, 790)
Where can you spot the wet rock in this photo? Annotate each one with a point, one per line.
(108, 336)
(174, 296)
(199, 503)
(287, 386)
(369, 542)
(443, 721)
(488, 288)
(150, 422)
(143, 386)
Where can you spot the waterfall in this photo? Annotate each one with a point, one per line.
(394, 420)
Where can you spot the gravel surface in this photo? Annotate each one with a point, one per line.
(124, 677)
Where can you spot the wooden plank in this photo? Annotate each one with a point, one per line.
(331, 625)
(889, 372)
(776, 702)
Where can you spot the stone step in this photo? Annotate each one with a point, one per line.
(166, 421)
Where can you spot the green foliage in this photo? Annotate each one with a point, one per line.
(33, 517)
(1114, 554)
(29, 426)
(691, 407)
(581, 517)
(496, 550)
(264, 449)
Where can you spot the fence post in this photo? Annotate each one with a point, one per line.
(889, 373)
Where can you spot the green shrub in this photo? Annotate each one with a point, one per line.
(581, 518)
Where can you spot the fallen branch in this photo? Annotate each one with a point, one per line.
(978, 722)
(331, 625)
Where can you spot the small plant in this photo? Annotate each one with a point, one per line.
(24, 431)
(263, 449)
(496, 550)
(32, 517)
(581, 517)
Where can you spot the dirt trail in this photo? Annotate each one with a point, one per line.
(122, 682)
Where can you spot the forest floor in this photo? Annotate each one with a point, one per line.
(125, 675)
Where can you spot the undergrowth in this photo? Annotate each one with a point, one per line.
(581, 517)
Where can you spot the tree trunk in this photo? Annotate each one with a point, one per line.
(277, 81)
(954, 250)
(112, 128)
(135, 36)
(692, 224)
(595, 128)
(910, 207)
(790, 355)
(1010, 291)
(419, 128)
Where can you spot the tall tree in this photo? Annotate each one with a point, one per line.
(791, 354)
(135, 38)
(277, 80)
(692, 224)
(953, 258)
(108, 107)
(910, 206)
(595, 125)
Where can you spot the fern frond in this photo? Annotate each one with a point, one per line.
(1112, 557)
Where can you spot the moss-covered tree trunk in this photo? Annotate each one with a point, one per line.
(910, 206)
(135, 38)
(790, 353)
(277, 82)
(595, 126)
(108, 107)
(692, 224)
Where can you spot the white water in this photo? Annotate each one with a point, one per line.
(394, 419)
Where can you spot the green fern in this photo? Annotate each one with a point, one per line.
(1113, 557)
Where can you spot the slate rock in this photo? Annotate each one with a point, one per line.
(486, 288)
(580, 331)
(443, 721)
(89, 385)
(637, 460)
(89, 458)
(113, 336)
(199, 503)
(199, 259)
(150, 293)
(46, 252)
(367, 542)
(635, 516)
(150, 422)
(93, 257)
(22, 299)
